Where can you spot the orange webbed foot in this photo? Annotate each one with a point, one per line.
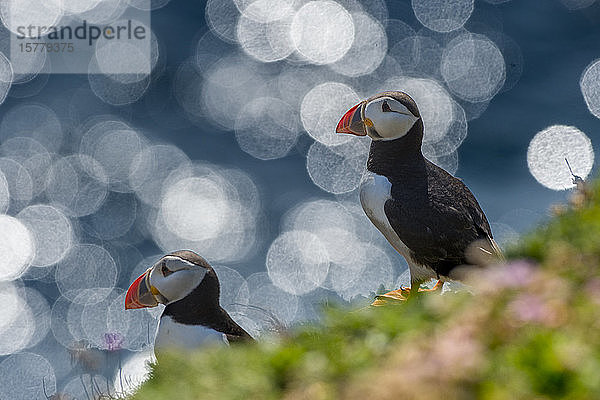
(401, 295)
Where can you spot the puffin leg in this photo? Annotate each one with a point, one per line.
(438, 286)
(407, 290)
(395, 296)
(403, 293)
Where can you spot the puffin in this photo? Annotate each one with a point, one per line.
(430, 217)
(189, 288)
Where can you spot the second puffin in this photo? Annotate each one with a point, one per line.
(427, 215)
(189, 288)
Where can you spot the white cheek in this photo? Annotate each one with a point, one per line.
(393, 125)
(177, 285)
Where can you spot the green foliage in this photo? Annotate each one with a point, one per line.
(529, 330)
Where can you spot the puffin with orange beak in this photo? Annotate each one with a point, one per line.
(430, 217)
(189, 288)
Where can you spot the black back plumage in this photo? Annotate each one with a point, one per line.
(434, 214)
(201, 306)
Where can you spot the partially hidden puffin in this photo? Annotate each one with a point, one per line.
(189, 288)
(430, 217)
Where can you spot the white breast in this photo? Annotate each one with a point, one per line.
(174, 334)
(375, 190)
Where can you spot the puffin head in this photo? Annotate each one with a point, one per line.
(383, 117)
(170, 279)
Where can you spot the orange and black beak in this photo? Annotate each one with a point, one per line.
(140, 293)
(352, 121)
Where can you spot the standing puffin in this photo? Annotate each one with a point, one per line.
(427, 215)
(189, 288)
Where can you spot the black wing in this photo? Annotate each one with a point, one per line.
(439, 223)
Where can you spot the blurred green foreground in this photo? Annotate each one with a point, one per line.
(530, 330)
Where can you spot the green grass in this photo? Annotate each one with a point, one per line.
(530, 331)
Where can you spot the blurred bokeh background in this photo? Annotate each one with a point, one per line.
(228, 148)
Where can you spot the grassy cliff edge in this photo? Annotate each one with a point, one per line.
(530, 330)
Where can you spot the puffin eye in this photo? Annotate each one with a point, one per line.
(165, 271)
(385, 107)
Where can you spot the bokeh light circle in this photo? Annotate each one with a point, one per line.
(221, 16)
(196, 208)
(86, 266)
(473, 68)
(590, 87)
(265, 42)
(322, 108)
(20, 184)
(6, 77)
(151, 167)
(548, 151)
(266, 128)
(442, 15)
(35, 121)
(337, 169)
(52, 233)
(17, 247)
(265, 11)
(32, 156)
(235, 293)
(4, 194)
(297, 262)
(26, 376)
(17, 13)
(368, 48)
(77, 185)
(322, 31)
